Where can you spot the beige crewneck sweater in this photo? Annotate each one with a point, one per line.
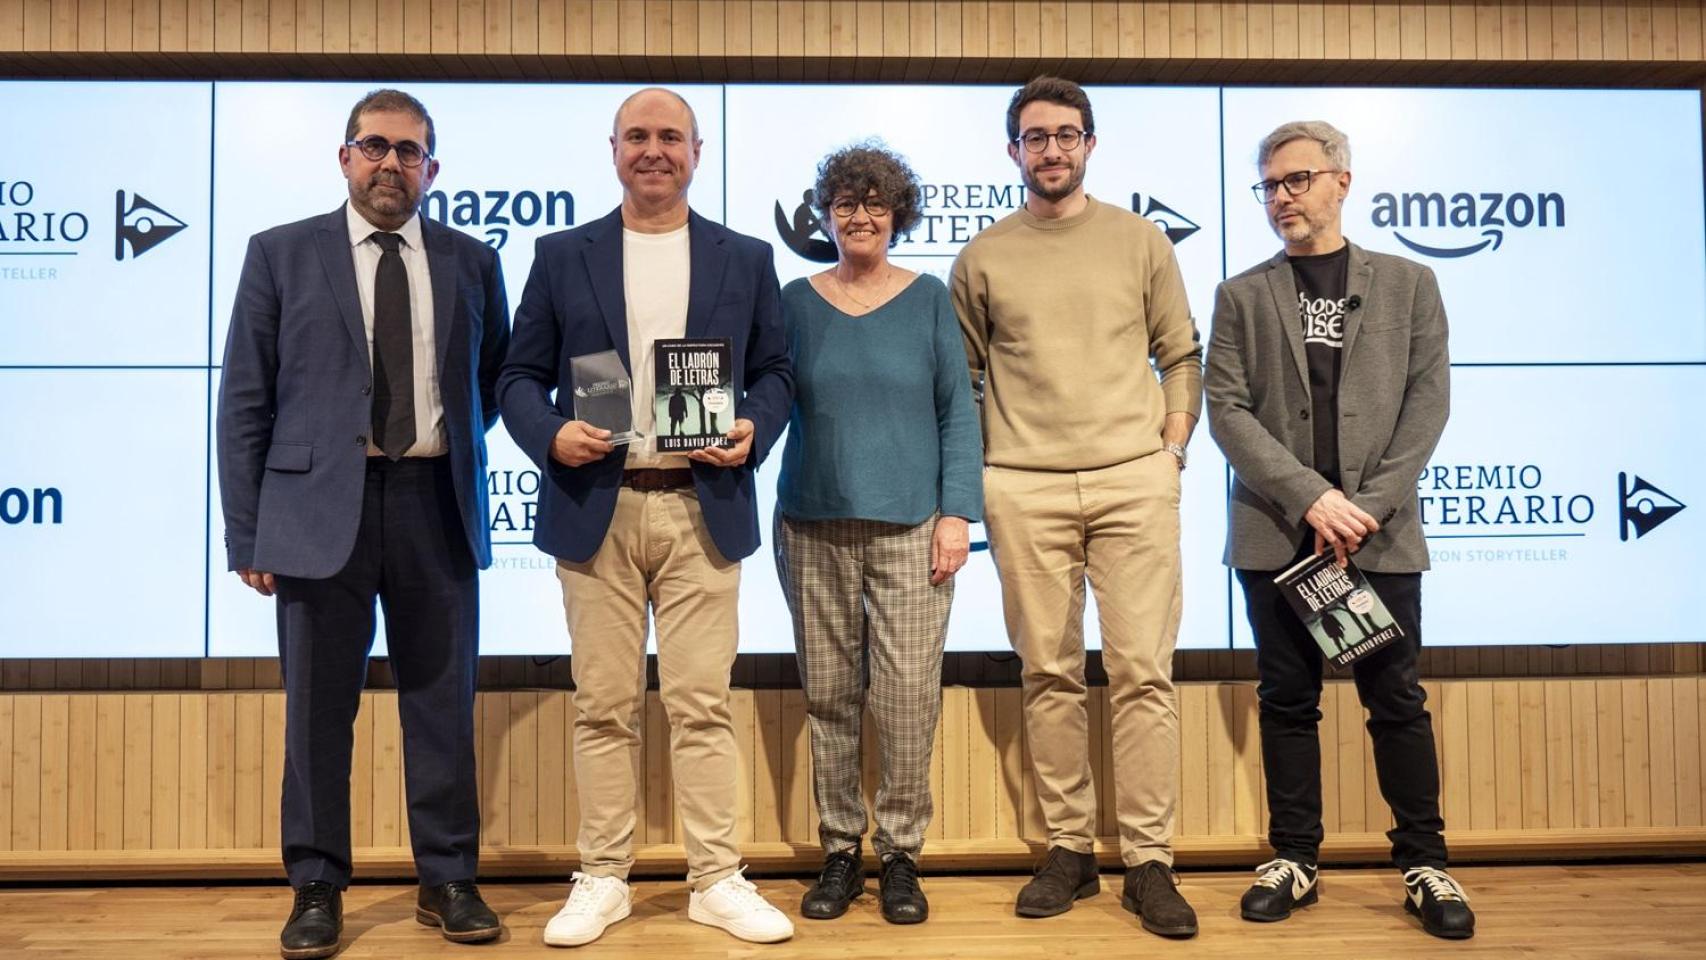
(1061, 319)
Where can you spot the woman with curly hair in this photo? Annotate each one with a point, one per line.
(881, 475)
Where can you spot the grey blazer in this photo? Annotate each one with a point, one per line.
(1394, 395)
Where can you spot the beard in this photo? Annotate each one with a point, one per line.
(1296, 230)
(1074, 179)
(398, 204)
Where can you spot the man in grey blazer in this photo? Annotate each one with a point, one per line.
(1328, 386)
(359, 382)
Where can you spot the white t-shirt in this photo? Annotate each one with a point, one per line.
(655, 273)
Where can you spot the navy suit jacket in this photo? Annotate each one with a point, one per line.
(295, 405)
(573, 305)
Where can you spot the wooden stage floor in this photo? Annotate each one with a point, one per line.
(1595, 911)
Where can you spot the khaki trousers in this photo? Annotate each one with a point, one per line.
(1118, 526)
(657, 554)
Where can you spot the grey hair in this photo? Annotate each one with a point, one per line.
(1333, 141)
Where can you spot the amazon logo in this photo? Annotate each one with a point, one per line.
(498, 211)
(1488, 215)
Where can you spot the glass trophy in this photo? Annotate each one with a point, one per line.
(604, 394)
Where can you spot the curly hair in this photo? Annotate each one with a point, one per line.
(859, 169)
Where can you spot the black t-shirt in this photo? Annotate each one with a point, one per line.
(1321, 282)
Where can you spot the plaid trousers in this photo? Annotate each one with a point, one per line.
(860, 594)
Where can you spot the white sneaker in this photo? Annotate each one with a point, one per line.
(594, 903)
(734, 904)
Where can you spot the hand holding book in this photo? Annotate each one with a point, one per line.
(732, 451)
(1341, 524)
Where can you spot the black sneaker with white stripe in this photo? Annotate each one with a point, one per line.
(1281, 886)
(1431, 894)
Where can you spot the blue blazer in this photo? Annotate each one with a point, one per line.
(573, 305)
(295, 405)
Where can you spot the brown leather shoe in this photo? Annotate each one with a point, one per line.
(1064, 877)
(1152, 892)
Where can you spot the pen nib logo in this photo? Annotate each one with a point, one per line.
(142, 226)
(1642, 507)
(1174, 224)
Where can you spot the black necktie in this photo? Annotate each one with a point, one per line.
(393, 352)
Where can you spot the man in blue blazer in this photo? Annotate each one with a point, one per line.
(359, 382)
(637, 531)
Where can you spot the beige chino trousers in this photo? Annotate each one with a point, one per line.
(1119, 527)
(657, 557)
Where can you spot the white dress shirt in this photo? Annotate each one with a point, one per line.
(430, 438)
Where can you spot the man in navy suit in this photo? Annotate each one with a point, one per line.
(636, 531)
(359, 383)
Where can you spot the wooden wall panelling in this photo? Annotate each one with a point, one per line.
(1660, 750)
(1530, 766)
(8, 782)
(1454, 41)
(26, 773)
(82, 750)
(165, 785)
(12, 25)
(1690, 749)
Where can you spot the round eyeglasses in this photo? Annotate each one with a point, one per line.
(375, 147)
(845, 207)
(1036, 141)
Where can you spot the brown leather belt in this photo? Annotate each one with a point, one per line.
(653, 478)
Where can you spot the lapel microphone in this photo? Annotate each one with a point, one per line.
(1353, 303)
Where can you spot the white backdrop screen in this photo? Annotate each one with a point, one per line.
(1557, 506)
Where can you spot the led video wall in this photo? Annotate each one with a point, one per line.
(1566, 229)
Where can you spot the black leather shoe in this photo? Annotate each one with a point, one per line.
(315, 922)
(1281, 886)
(1152, 892)
(1431, 894)
(899, 893)
(1065, 876)
(842, 879)
(458, 911)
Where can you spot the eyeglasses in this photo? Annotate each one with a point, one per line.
(845, 207)
(1036, 141)
(375, 147)
(1296, 185)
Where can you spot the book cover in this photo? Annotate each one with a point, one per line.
(695, 397)
(1343, 613)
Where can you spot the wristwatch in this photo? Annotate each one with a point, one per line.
(1176, 450)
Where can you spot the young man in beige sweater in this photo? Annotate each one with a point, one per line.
(1064, 304)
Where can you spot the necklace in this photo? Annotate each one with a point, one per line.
(848, 293)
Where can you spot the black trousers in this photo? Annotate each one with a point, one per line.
(412, 556)
(1289, 665)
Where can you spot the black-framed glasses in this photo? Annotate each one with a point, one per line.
(845, 207)
(375, 147)
(1296, 184)
(1036, 141)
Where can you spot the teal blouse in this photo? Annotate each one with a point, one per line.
(883, 426)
